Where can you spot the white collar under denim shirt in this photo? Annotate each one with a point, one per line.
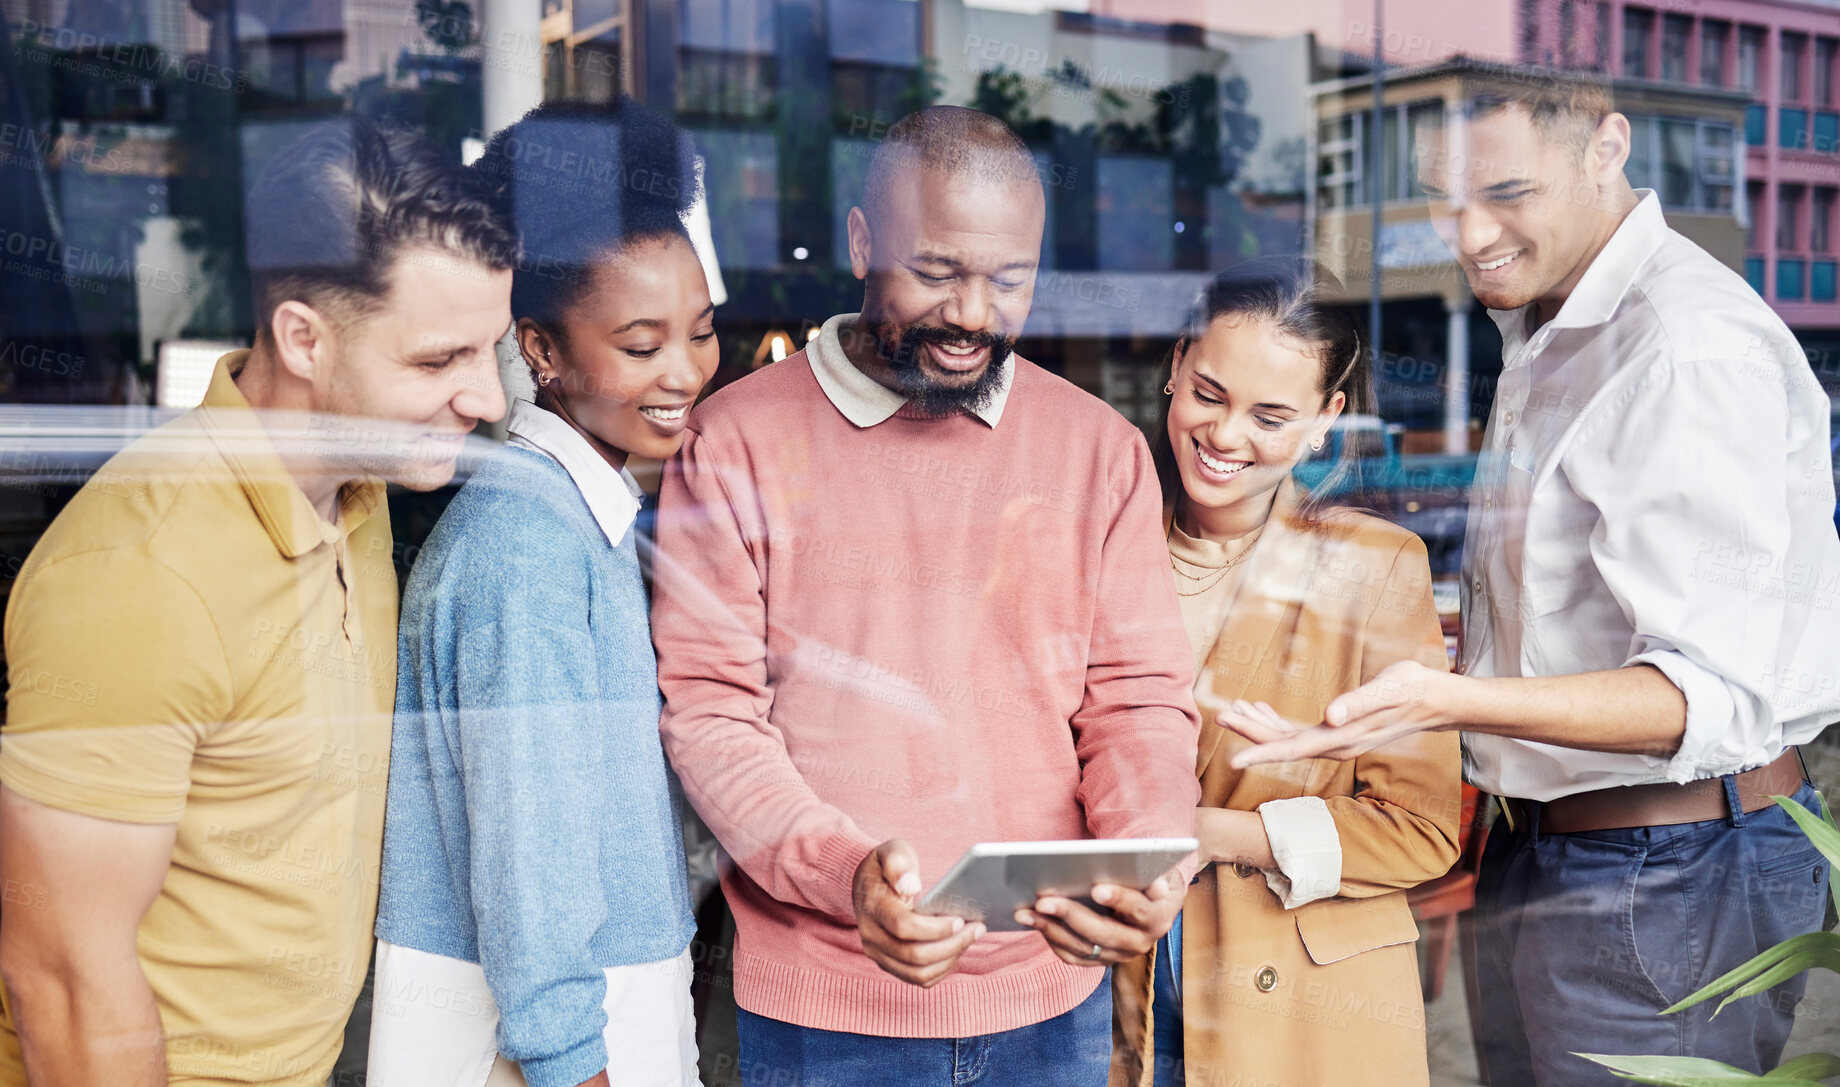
(865, 401)
(1655, 489)
(613, 496)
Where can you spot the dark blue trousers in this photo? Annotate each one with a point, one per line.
(1070, 1050)
(1582, 938)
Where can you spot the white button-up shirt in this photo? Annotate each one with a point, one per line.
(1656, 489)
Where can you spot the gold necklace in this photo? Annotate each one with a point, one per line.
(1218, 573)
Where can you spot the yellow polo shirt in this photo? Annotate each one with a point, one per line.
(192, 643)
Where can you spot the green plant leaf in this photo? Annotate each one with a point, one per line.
(1827, 813)
(1812, 1066)
(1686, 1072)
(1807, 941)
(1820, 831)
(1828, 957)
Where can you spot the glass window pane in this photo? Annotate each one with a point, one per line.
(1788, 218)
(741, 177)
(741, 26)
(1392, 146)
(1713, 36)
(1793, 129)
(1638, 25)
(1821, 281)
(1826, 50)
(874, 31)
(1753, 273)
(1750, 56)
(1640, 169)
(1136, 227)
(1789, 280)
(1790, 68)
(1679, 158)
(1675, 31)
(1826, 133)
(1756, 124)
(1424, 120)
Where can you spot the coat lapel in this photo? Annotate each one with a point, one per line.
(1276, 580)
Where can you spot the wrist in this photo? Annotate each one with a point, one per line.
(1454, 700)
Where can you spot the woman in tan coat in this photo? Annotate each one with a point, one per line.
(1294, 961)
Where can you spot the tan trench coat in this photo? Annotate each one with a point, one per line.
(1327, 993)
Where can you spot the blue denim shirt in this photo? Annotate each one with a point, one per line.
(532, 825)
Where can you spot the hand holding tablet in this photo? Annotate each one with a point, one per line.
(993, 880)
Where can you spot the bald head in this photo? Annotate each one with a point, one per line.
(958, 143)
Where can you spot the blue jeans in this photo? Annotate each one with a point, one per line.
(1582, 938)
(1167, 1066)
(1069, 1050)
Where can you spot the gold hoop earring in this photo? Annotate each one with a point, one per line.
(1317, 445)
(1169, 389)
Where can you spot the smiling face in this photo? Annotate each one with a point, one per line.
(1248, 401)
(1525, 209)
(419, 370)
(949, 273)
(635, 348)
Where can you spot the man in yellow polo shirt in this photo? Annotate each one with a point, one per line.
(202, 648)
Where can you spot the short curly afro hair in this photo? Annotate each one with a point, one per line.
(582, 181)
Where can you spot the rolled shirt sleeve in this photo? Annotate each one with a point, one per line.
(1693, 539)
(1307, 848)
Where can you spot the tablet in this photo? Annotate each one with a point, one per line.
(995, 879)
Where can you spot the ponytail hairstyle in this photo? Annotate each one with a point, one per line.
(1294, 297)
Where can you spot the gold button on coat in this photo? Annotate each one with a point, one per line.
(1267, 980)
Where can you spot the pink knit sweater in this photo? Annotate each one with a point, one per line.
(932, 629)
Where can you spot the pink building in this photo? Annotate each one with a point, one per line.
(1783, 53)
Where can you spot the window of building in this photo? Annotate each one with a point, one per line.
(1676, 31)
(726, 63)
(1601, 55)
(1340, 152)
(1638, 29)
(1821, 281)
(1826, 133)
(1753, 273)
(1714, 34)
(1568, 32)
(1753, 220)
(1826, 52)
(1756, 124)
(1794, 46)
(1788, 218)
(1750, 57)
(1792, 129)
(1691, 164)
(1789, 279)
(1821, 220)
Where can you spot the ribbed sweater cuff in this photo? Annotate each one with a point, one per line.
(568, 1068)
(838, 859)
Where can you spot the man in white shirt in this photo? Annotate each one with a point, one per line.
(1651, 608)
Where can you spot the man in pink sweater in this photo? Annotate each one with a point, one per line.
(911, 596)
